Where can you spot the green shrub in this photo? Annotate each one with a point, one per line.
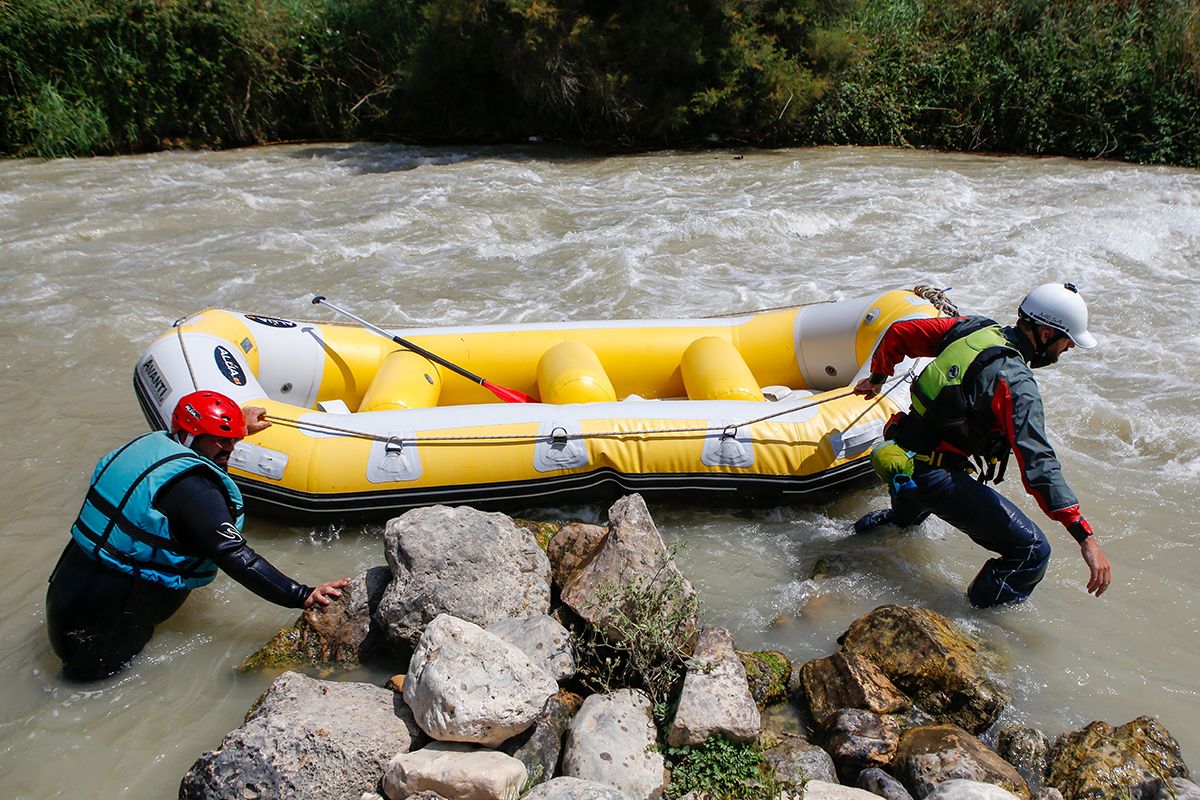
(1108, 78)
(1114, 78)
(57, 127)
(723, 770)
(141, 74)
(655, 619)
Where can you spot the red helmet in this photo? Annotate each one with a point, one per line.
(211, 413)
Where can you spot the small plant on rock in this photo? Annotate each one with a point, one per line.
(651, 624)
(723, 770)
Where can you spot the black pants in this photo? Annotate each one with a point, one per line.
(991, 520)
(99, 618)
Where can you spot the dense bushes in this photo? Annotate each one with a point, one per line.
(1087, 77)
(1117, 79)
(87, 76)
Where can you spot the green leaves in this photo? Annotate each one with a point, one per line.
(656, 620)
(1115, 78)
(1089, 79)
(722, 770)
(103, 76)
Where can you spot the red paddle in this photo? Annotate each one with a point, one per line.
(505, 394)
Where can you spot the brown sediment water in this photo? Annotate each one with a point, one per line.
(99, 256)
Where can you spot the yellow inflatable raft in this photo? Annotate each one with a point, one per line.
(753, 409)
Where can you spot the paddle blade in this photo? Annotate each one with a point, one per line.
(507, 395)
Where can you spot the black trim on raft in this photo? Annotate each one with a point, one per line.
(149, 409)
(599, 485)
(709, 489)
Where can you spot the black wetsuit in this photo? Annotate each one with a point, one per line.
(99, 618)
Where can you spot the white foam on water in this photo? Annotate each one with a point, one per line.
(101, 255)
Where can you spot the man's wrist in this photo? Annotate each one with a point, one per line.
(1080, 530)
(877, 379)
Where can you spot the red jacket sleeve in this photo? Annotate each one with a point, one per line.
(917, 338)
(1019, 415)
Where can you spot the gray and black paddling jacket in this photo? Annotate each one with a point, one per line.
(1004, 408)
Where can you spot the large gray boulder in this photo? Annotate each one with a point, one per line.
(1101, 761)
(715, 696)
(306, 738)
(823, 790)
(543, 639)
(612, 741)
(632, 553)
(941, 667)
(794, 758)
(476, 566)
(460, 771)
(564, 788)
(962, 789)
(467, 685)
(931, 755)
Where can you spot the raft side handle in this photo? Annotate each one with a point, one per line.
(560, 445)
(258, 460)
(390, 461)
(726, 448)
(856, 440)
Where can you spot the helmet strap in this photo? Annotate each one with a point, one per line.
(1041, 356)
(185, 438)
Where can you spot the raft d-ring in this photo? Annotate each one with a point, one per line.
(394, 446)
(730, 432)
(558, 435)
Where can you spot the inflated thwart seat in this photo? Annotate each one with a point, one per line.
(713, 369)
(404, 380)
(571, 372)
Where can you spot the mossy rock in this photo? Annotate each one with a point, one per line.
(931, 755)
(296, 647)
(1100, 761)
(944, 669)
(847, 680)
(287, 648)
(340, 634)
(767, 672)
(543, 532)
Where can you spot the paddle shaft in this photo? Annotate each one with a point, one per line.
(508, 395)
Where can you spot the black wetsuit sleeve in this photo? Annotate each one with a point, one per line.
(202, 525)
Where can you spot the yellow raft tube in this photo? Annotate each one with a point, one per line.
(753, 409)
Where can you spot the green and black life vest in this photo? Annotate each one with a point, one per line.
(119, 525)
(941, 411)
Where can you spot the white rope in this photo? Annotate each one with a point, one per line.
(727, 429)
(187, 359)
(321, 427)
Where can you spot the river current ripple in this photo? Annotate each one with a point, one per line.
(102, 255)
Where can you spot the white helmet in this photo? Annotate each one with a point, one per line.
(1059, 306)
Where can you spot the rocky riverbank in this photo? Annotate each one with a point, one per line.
(567, 661)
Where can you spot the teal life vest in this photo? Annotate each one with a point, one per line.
(119, 525)
(941, 410)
